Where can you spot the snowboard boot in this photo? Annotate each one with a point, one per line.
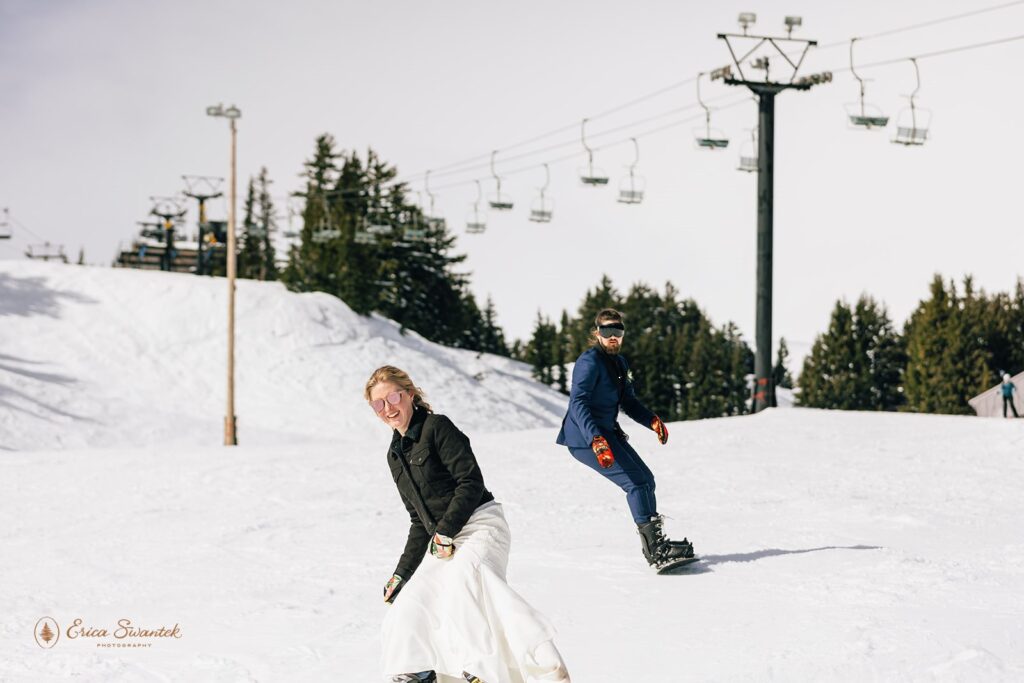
(470, 678)
(421, 677)
(659, 550)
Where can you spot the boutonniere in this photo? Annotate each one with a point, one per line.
(629, 376)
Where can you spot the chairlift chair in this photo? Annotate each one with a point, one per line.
(413, 225)
(708, 137)
(46, 252)
(748, 154)
(860, 114)
(324, 232)
(433, 222)
(589, 175)
(543, 207)
(631, 188)
(498, 201)
(475, 223)
(912, 123)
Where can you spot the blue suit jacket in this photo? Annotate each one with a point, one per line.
(594, 401)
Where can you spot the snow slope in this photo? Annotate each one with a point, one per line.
(106, 357)
(837, 546)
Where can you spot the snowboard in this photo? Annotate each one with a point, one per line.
(677, 566)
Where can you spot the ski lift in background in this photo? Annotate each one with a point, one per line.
(861, 114)
(324, 231)
(631, 189)
(912, 123)
(294, 208)
(708, 137)
(46, 252)
(5, 225)
(412, 221)
(475, 224)
(434, 222)
(378, 221)
(748, 154)
(499, 202)
(590, 176)
(542, 209)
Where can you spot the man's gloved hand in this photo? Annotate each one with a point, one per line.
(605, 457)
(660, 429)
(442, 547)
(392, 587)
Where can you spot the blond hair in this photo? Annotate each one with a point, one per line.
(389, 373)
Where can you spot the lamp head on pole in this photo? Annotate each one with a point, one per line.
(792, 23)
(231, 112)
(746, 20)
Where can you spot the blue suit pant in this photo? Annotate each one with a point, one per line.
(629, 473)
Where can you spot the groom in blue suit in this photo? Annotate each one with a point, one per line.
(601, 385)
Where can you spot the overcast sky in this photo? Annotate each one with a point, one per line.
(103, 105)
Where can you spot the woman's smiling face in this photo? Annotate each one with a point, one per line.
(398, 415)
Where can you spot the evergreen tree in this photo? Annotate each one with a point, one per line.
(682, 367)
(492, 338)
(564, 353)
(247, 261)
(541, 350)
(358, 243)
(948, 361)
(267, 269)
(857, 364)
(780, 373)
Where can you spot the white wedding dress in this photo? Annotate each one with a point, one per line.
(460, 615)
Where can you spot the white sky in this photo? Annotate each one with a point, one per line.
(103, 105)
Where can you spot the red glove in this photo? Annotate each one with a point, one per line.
(605, 457)
(660, 429)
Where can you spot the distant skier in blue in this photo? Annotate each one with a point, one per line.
(601, 384)
(1008, 389)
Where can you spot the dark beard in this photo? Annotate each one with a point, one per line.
(610, 352)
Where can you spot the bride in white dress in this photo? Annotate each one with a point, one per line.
(452, 617)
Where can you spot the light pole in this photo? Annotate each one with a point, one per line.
(230, 427)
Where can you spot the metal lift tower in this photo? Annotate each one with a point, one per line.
(765, 90)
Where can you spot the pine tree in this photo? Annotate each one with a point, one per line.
(564, 353)
(357, 243)
(492, 339)
(947, 359)
(248, 257)
(780, 373)
(267, 222)
(857, 364)
(540, 351)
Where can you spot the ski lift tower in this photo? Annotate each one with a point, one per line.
(765, 90)
(170, 209)
(202, 188)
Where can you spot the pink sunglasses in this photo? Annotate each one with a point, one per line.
(393, 398)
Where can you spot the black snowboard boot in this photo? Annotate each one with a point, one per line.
(659, 550)
(422, 677)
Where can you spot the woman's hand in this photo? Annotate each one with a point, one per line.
(442, 547)
(392, 587)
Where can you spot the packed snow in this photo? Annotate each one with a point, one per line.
(837, 546)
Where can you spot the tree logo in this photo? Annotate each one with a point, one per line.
(47, 633)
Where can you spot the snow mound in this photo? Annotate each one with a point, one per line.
(102, 357)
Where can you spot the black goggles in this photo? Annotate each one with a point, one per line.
(612, 330)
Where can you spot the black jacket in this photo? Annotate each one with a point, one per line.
(439, 480)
